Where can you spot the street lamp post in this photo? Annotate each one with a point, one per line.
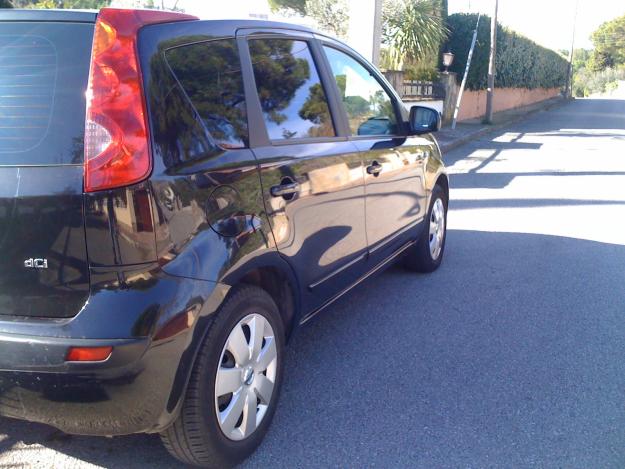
(568, 89)
(448, 59)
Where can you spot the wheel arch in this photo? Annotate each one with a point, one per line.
(273, 274)
(443, 181)
(277, 284)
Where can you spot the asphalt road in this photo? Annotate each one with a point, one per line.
(511, 355)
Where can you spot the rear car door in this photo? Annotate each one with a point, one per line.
(208, 213)
(312, 176)
(44, 69)
(394, 173)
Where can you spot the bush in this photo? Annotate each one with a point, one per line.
(520, 62)
(420, 73)
(587, 82)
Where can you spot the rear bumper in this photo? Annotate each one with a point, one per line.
(137, 389)
(47, 354)
(106, 398)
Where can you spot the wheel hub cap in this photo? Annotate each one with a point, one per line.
(245, 377)
(437, 228)
(248, 376)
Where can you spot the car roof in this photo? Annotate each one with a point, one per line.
(263, 24)
(10, 14)
(79, 16)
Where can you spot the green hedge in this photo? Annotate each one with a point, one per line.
(521, 63)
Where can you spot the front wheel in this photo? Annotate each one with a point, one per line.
(234, 386)
(426, 255)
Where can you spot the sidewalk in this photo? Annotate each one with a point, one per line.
(471, 129)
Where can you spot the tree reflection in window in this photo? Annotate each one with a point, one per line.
(291, 96)
(210, 74)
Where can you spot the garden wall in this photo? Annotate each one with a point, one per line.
(473, 103)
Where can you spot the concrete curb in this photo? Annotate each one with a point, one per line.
(486, 129)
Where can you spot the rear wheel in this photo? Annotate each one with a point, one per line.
(426, 255)
(235, 384)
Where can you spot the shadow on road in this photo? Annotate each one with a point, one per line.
(499, 180)
(30, 439)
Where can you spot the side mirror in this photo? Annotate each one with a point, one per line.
(424, 119)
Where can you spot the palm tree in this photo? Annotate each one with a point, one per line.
(413, 30)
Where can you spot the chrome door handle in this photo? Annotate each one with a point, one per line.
(287, 189)
(375, 168)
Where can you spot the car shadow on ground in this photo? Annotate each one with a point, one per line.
(503, 357)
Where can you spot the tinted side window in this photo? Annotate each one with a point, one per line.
(291, 96)
(210, 73)
(369, 107)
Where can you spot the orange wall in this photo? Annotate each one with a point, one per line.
(474, 102)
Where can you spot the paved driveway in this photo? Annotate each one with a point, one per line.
(511, 355)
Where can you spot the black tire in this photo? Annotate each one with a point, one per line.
(419, 258)
(195, 437)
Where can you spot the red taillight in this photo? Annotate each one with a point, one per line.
(116, 132)
(88, 354)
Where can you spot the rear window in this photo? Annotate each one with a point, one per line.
(44, 68)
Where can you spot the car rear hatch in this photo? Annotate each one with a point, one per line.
(44, 69)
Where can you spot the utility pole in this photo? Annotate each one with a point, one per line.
(466, 72)
(490, 91)
(568, 90)
(377, 32)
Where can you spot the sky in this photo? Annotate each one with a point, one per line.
(548, 22)
(225, 9)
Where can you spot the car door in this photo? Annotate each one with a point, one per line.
(394, 172)
(312, 176)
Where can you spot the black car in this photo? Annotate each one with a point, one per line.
(176, 196)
